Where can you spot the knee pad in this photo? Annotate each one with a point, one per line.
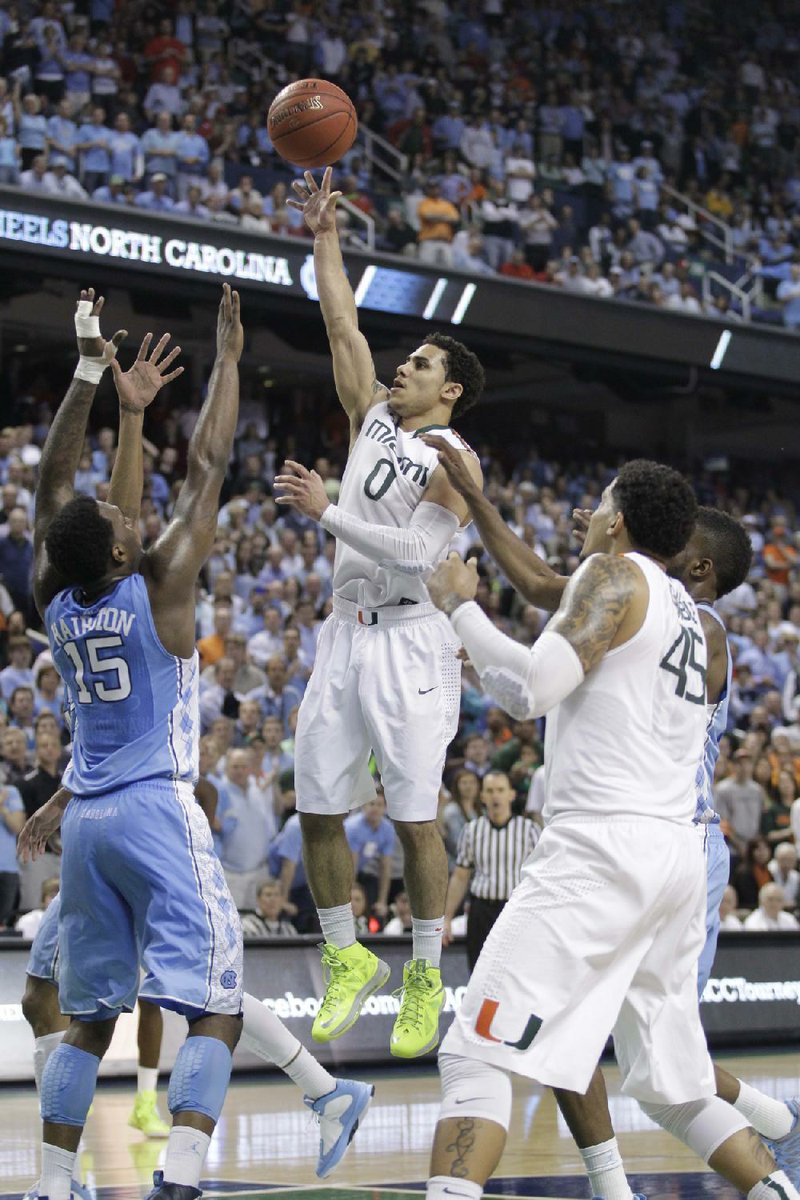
(471, 1088)
(68, 1084)
(702, 1125)
(200, 1077)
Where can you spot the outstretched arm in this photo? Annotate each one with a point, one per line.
(172, 565)
(596, 610)
(64, 443)
(527, 573)
(353, 368)
(136, 389)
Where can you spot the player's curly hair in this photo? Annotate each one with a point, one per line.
(728, 545)
(461, 366)
(658, 505)
(79, 542)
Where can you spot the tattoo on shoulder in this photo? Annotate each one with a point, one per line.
(595, 603)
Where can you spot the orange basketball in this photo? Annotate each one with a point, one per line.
(312, 123)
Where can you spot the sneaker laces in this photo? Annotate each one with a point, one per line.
(335, 972)
(413, 996)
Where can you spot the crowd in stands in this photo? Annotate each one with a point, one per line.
(263, 596)
(542, 142)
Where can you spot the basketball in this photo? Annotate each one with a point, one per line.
(312, 123)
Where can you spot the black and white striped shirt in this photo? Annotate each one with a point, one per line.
(495, 854)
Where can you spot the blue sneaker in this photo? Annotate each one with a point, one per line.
(171, 1191)
(338, 1114)
(786, 1150)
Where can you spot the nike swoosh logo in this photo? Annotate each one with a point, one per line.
(469, 1100)
(424, 693)
(451, 1192)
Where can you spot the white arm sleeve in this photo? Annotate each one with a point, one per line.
(527, 683)
(411, 551)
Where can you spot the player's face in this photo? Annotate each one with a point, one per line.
(126, 533)
(681, 567)
(598, 540)
(418, 382)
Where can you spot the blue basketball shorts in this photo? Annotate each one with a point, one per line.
(140, 882)
(718, 872)
(43, 959)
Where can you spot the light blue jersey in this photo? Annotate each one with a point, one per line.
(135, 706)
(718, 857)
(716, 726)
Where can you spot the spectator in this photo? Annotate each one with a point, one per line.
(94, 138)
(739, 800)
(728, 921)
(520, 174)
(156, 199)
(31, 130)
(500, 219)
(776, 820)
(28, 924)
(371, 838)
(59, 183)
(277, 697)
(125, 151)
(35, 789)
(401, 922)
(780, 556)
(789, 295)
(78, 70)
(267, 919)
(192, 206)
(248, 826)
(62, 137)
(783, 869)
(12, 818)
(438, 220)
(191, 156)
(165, 51)
(18, 673)
(769, 916)
(752, 872)
(159, 145)
(397, 237)
(286, 864)
(462, 807)
(537, 226)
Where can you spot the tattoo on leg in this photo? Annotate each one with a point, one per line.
(461, 1148)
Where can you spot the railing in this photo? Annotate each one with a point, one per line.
(722, 238)
(733, 290)
(382, 155)
(364, 219)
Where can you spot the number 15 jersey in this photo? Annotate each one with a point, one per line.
(135, 707)
(386, 475)
(628, 741)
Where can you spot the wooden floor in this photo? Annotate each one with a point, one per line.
(267, 1142)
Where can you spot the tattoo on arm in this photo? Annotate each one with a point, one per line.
(595, 604)
(461, 1148)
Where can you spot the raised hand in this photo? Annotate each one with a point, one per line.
(98, 347)
(230, 335)
(303, 490)
(581, 518)
(316, 202)
(454, 464)
(138, 387)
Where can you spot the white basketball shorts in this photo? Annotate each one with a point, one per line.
(601, 936)
(385, 680)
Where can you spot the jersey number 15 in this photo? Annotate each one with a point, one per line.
(117, 686)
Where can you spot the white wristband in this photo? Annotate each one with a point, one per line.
(86, 326)
(90, 370)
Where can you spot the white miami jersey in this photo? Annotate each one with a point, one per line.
(386, 475)
(628, 741)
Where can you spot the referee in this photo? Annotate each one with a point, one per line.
(491, 851)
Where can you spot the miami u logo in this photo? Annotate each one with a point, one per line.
(483, 1026)
(373, 618)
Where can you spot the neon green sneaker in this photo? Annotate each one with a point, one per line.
(352, 975)
(146, 1117)
(416, 1029)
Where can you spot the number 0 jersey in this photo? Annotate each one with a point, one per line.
(627, 742)
(387, 472)
(135, 706)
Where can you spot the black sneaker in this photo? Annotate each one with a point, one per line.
(171, 1191)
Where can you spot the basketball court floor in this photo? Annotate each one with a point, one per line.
(265, 1147)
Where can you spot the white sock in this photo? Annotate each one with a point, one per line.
(55, 1181)
(186, 1153)
(776, 1186)
(605, 1170)
(146, 1079)
(769, 1117)
(338, 925)
(43, 1047)
(268, 1037)
(441, 1186)
(427, 939)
